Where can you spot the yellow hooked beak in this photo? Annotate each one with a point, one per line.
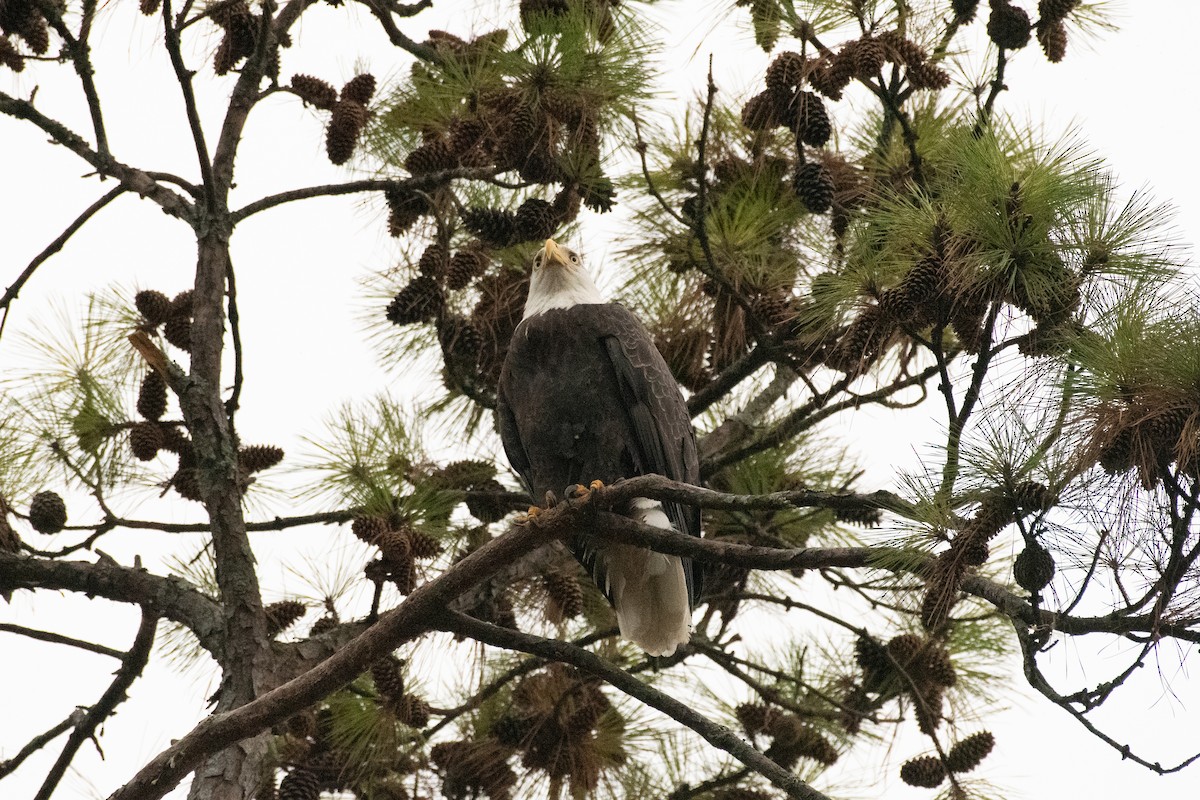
(553, 253)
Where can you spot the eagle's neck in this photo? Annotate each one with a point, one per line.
(560, 287)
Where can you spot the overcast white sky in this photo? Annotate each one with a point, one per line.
(1131, 93)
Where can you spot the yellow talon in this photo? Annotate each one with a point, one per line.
(596, 484)
(529, 516)
(576, 491)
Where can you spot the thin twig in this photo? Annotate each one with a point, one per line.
(134, 662)
(58, 638)
(40, 741)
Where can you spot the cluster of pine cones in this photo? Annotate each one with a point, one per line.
(152, 435)
(400, 547)
(928, 772)
(969, 547)
(790, 737)
(22, 21)
(348, 110)
(1009, 26)
(911, 665)
(307, 747)
(1147, 430)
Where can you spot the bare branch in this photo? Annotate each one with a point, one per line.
(131, 178)
(134, 662)
(173, 598)
(58, 638)
(38, 742)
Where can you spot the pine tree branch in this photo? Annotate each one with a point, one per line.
(173, 598)
(183, 76)
(383, 10)
(135, 180)
(58, 638)
(717, 735)
(421, 182)
(81, 61)
(40, 741)
(131, 669)
(724, 382)
(409, 619)
(15, 288)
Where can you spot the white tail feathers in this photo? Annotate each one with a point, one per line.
(648, 589)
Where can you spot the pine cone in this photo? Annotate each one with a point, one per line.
(1052, 36)
(10, 56)
(964, 10)
(258, 457)
(47, 512)
(315, 91)
(153, 306)
(282, 615)
(145, 440)
(345, 126)
(902, 50)
(565, 593)
(412, 711)
(965, 756)
(535, 220)
(187, 483)
(359, 89)
(811, 120)
(388, 679)
(1034, 568)
(485, 505)
(753, 717)
(785, 73)
(421, 300)
(423, 545)
(178, 331)
(1008, 26)
(465, 266)
(928, 76)
(832, 78)
(873, 660)
(814, 187)
(926, 772)
(1117, 456)
(496, 227)
(761, 112)
(369, 529)
(1031, 496)
(859, 515)
(300, 784)
(405, 207)
(869, 56)
(433, 156)
(152, 396)
(433, 260)
(1055, 10)
(466, 474)
(936, 665)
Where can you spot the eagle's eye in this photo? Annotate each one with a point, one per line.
(537, 260)
(574, 258)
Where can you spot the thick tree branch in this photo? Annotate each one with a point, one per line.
(717, 735)
(134, 662)
(172, 598)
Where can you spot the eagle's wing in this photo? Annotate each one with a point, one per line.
(510, 438)
(661, 426)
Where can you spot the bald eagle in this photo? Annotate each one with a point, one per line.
(584, 395)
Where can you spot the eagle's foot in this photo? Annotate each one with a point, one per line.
(578, 491)
(596, 484)
(529, 516)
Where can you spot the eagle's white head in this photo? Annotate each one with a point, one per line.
(559, 281)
